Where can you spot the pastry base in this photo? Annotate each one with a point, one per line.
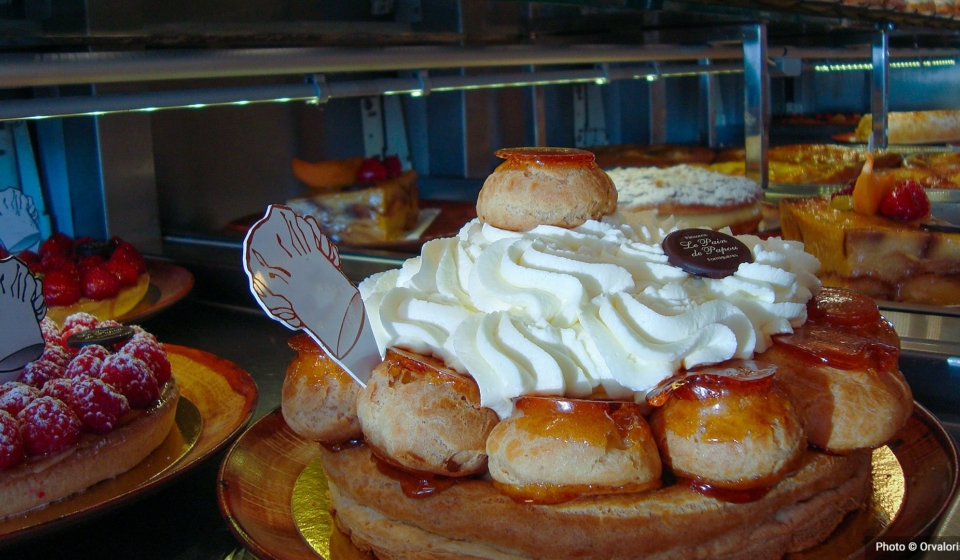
(474, 520)
(95, 458)
(111, 308)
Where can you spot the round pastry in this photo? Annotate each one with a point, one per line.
(553, 450)
(425, 418)
(841, 369)
(701, 441)
(319, 398)
(697, 197)
(545, 186)
(654, 155)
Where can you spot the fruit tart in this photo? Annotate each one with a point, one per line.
(380, 203)
(876, 236)
(103, 278)
(99, 399)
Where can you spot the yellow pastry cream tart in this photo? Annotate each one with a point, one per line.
(576, 392)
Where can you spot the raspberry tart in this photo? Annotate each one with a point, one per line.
(96, 403)
(105, 279)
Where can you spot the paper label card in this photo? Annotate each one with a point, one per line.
(21, 310)
(295, 276)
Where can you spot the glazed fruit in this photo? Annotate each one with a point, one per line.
(907, 202)
(372, 170)
(99, 283)
(60, 288)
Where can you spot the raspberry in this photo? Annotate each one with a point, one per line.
(55, 352)
(108, 323)
(97, 405)
(94, 350)
(60, 389)
(86, 365)
(131, 378)
(149, 351)
(99, 283)
(11, 442)
(48, 425)
(65, 335)
(906, 203)
(35, 374)
(50, 330)
(125, 271)
(85, 321)
(127, 252)
(14, 396)
(59, 288)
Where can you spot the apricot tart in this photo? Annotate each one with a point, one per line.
(97, 402)
(103, 278)
(894, 260)
(379, 204)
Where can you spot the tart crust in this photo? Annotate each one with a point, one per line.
(95, 458)
(474, 520)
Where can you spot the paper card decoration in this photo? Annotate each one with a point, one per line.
(21, 310)
(294, 272)
(19, 229)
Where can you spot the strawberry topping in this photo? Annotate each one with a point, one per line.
(48, 425)
(60, 288)
(99, 283)
(11, 442)
(907, 202)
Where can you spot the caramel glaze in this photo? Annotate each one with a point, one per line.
(722, 409)
(413, 483)
(600, 424)
(405, 368)
(844, 330)
(519, 158)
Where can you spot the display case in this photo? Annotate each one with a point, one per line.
(171, 124)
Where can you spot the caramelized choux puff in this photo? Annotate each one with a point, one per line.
(420, 416)
(555, 449)
(842, 370)
(728, 433)
(318, 398)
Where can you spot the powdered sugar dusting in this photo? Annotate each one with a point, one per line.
(645, 187)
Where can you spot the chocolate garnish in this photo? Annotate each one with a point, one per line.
(104, 336)
(95, 247)
(942, 227)
(705, 252)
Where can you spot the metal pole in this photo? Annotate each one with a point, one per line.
(756, 118)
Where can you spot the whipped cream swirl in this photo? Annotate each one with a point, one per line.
(566, 312)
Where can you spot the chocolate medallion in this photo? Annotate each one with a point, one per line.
(705, 252)
(104, 336)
